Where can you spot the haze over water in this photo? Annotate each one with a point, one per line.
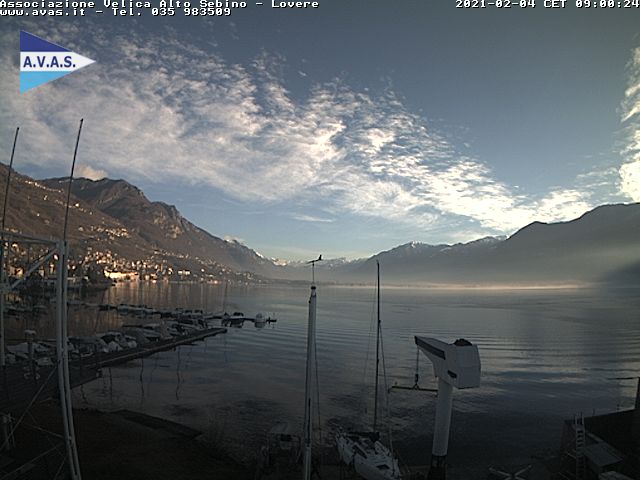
(546, 354)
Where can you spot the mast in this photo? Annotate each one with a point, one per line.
(308, 397)
(308, 387)
(2, 254)
(62, 344)
(375, 398)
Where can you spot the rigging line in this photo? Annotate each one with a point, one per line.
(377, 379)
(73, 166)
(48, 434)
(38, 428)
(386, 390)
(315, 348)
(31, 402)
(366, 361)
(60, 469)
(6, 189)
(35, 459)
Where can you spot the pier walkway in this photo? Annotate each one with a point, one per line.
(23, 384)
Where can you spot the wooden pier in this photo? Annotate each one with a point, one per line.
(23, 384)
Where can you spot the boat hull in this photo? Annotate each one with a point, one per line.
(369, 458)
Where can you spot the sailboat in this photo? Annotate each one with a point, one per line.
(364, 451)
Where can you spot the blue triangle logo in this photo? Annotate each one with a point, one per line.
(42, 61)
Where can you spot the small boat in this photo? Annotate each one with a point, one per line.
(117, 341)
(259, 321)
(235, 320)
(364, 451)
(196, 314)
(143, 333)
(282, 447)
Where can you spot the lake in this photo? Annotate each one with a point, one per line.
(546, 355)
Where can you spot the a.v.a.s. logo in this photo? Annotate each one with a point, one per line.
(42, 61)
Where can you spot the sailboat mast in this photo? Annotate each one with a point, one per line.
(308, 397)
(2, 253)
(375, 398)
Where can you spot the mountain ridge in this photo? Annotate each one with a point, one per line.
(114, 215)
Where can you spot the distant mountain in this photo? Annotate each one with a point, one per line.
(603, 245)
(588, 249)
(417, 262)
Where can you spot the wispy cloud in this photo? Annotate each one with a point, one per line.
(630, 116)
(311, 218)
(166, 110)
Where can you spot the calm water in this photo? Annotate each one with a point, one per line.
(545, 356)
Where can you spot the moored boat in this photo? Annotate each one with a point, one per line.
(363, 451)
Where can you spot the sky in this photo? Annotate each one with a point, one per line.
(346, 129)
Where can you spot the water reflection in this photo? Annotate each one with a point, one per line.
(545, 356)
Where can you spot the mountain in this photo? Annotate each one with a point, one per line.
(162, 227)
(590, 248)
(421, 262)
(37, 209)
(603, 245)
(113, 223)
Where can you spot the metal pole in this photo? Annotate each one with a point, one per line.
(438, 468)
(2, 248)
(64, 383)
(63, 364)
(60, 350)
(308, 397)
(375, 397)
(67, 376)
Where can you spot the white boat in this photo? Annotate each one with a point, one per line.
(363, 451)
(368, 456)
(259, 321)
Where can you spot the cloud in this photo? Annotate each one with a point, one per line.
(630, 115)
(311, 218)
(89, 172)
(163, 109)
(232, 239)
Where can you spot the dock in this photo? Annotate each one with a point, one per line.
(22, 384)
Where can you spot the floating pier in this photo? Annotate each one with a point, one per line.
(23, 384)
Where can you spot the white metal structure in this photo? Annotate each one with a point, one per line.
(56, 250)
(457, 365)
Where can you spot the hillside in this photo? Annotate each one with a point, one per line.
(162, 227)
